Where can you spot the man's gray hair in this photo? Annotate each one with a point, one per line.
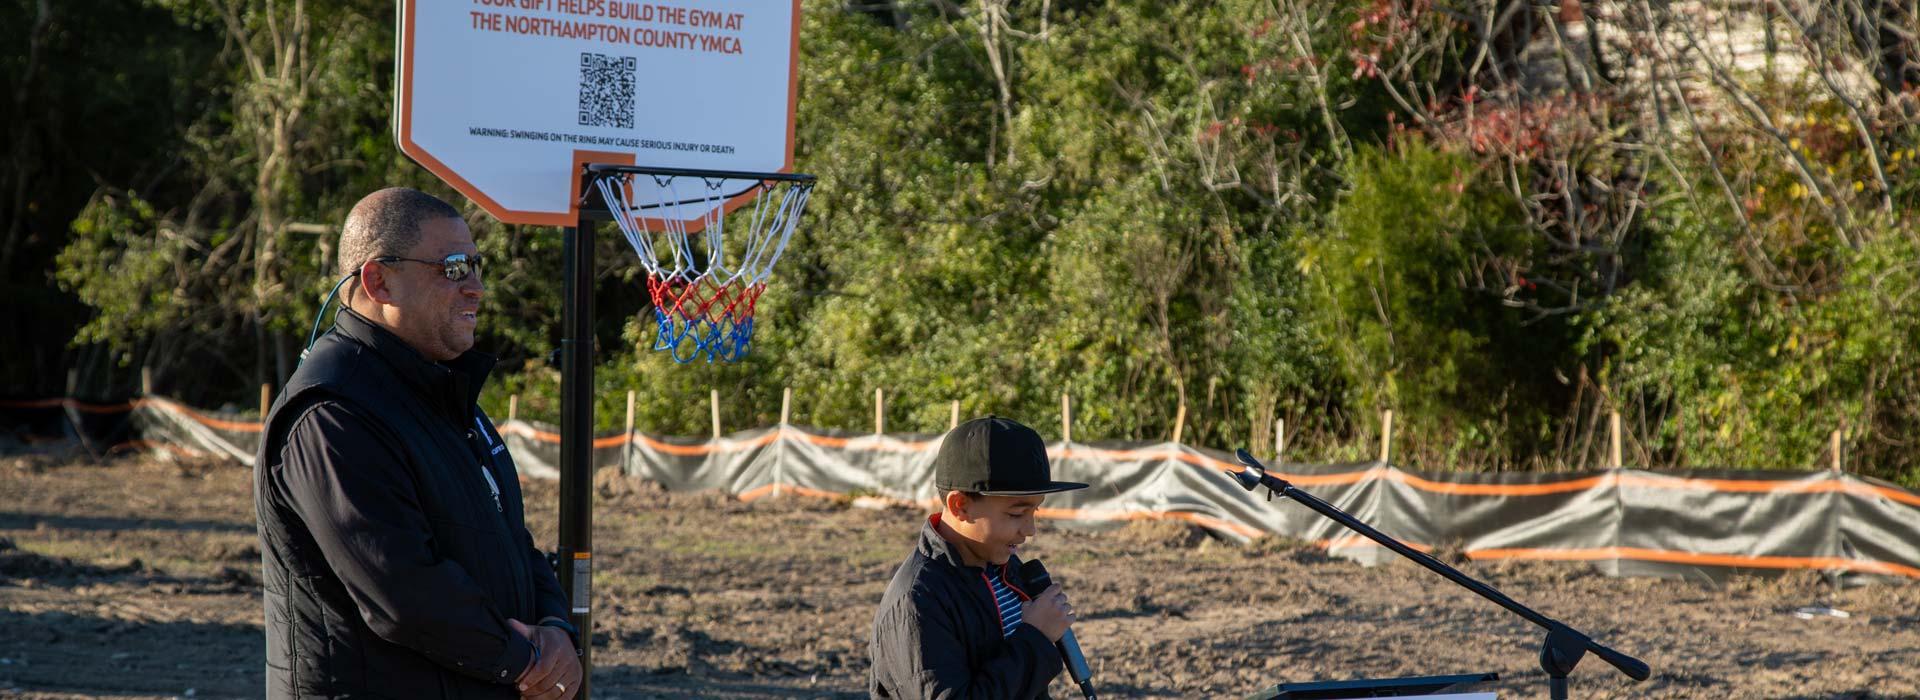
(387, 222)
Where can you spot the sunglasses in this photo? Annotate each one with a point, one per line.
(455, 267)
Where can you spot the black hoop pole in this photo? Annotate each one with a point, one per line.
(576, 440)
(1563, 646)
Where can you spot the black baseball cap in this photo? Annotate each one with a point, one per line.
(996, 456)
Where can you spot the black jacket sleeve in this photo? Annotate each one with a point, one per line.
(549, 600)
(351, 489)
(919, 653)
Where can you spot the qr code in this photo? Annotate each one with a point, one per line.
(606, 90)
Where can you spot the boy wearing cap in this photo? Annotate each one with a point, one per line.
(957, 621)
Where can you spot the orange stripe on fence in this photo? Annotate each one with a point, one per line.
(1173, 453)
(1815, 483)
(523, 430)
(1892, 494)
(83, 407)
(1705, 559)
(530, 433)
(203, 419)
(721, 446)
(726, 445)
(31, 403)
(1342, 478)
(1467, 489)
(1668, 556)
(877, 444)
(174, 406)
(1049, 513)
(123, 407)
(755, 494)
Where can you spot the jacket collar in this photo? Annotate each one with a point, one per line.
(452, 386)
(934, 546)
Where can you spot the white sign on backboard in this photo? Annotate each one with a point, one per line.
(504, 99)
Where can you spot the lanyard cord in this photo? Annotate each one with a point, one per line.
(315, 333)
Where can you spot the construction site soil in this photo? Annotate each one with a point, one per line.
(137, 577)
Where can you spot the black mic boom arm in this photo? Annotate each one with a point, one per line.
(1564, 645)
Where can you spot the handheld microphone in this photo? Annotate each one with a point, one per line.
(1037, 580)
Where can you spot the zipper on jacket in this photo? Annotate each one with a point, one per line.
(492, 485)
(1000, 621)
(488, 451)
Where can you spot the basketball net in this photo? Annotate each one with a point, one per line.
(704, 287)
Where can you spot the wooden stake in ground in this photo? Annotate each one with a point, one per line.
(879, 412)
(266, 399)
(1279, 440)
(1835, 440)
(146, 381)
(1066, 418)
(954, 422)
(1613, 440)
(1386, 436)
(1179, 422)
(631, 394)
(713, 397)
(513, 407)
(626, 443)
(786, 419)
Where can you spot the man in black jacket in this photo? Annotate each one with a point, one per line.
(957, 621)
(397, 559)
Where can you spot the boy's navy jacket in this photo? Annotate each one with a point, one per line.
(938, 633)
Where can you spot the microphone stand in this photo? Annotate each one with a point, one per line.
(1564, 646)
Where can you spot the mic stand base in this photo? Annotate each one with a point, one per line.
(1564, 645)
(1559, 653)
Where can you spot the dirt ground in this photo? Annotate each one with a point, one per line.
(137, 577)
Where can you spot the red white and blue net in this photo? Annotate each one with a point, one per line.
(706, 267)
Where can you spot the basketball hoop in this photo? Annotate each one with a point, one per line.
(703, 283)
